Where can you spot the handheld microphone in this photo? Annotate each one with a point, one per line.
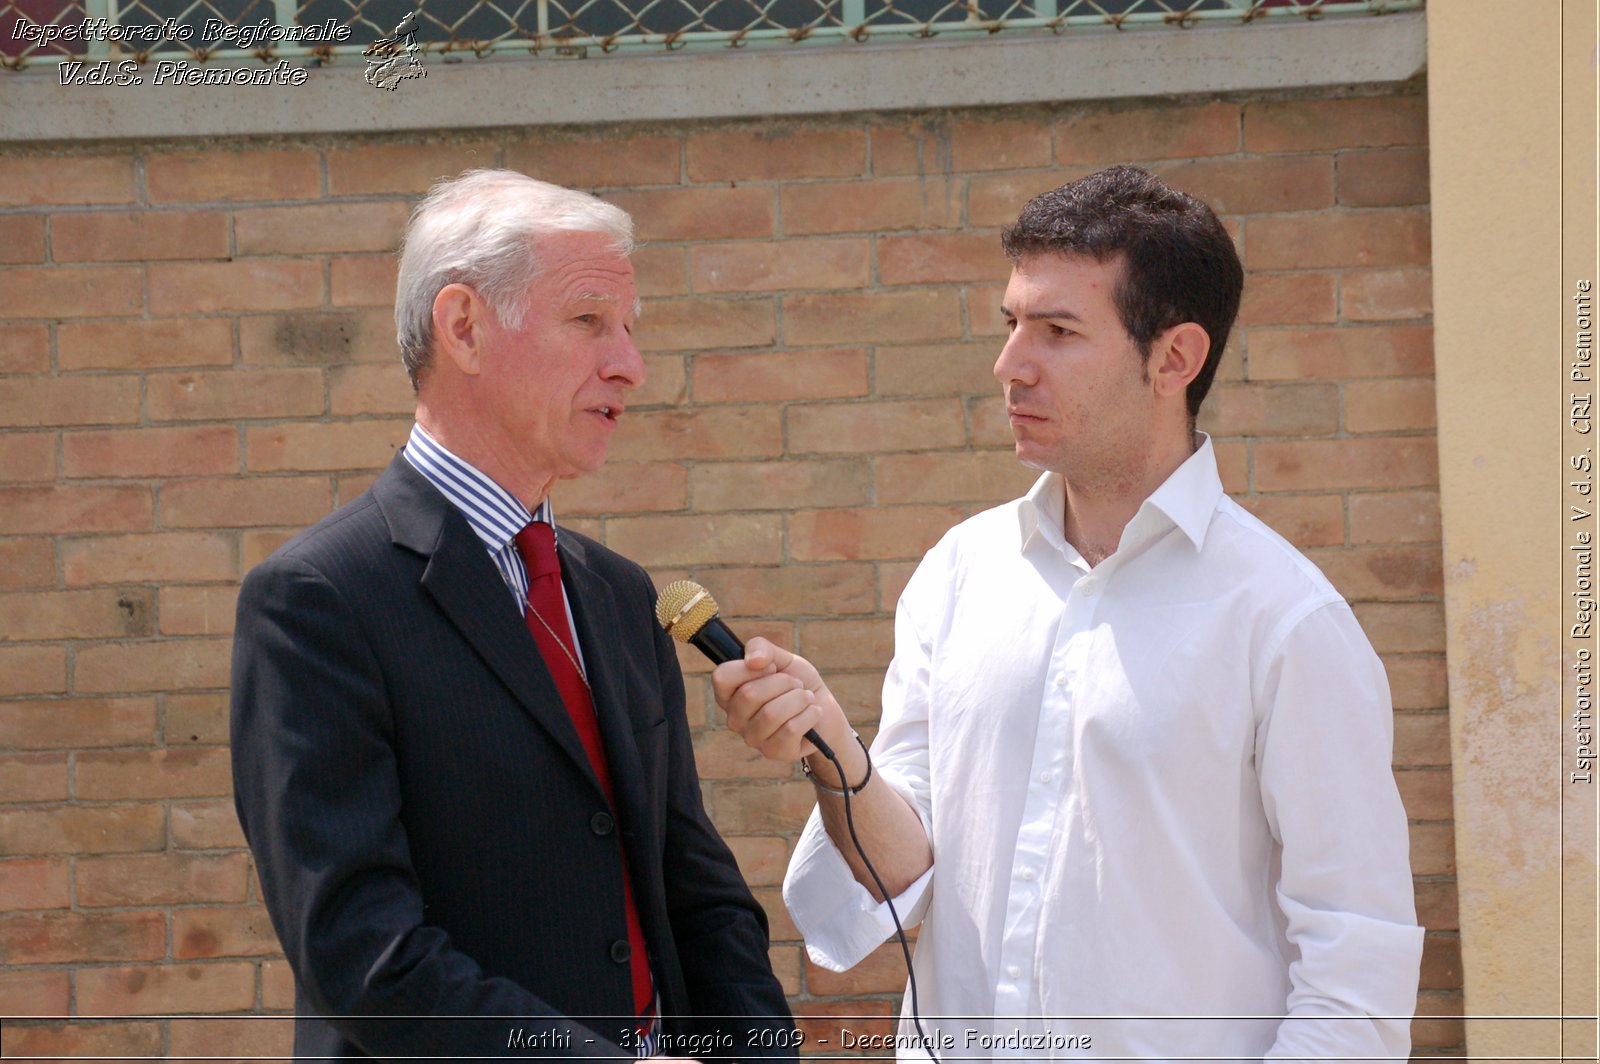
(689, 614)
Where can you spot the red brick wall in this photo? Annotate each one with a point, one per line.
(198, 360)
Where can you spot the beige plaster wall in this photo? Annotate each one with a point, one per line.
(1513, 232)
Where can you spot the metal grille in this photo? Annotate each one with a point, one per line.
(322, 31)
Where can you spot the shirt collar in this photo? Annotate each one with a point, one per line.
(1187, 499)
(496, 516)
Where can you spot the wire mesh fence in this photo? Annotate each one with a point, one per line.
(322, 31)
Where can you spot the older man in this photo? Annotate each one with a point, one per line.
(459, 744)
(1133, 768)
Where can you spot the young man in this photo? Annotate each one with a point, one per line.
(1133, 771)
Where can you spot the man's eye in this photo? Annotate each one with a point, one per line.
(1060, 330)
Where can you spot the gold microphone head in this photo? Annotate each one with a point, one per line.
(683, 608)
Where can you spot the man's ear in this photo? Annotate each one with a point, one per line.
(1176, 358)
(458, 319)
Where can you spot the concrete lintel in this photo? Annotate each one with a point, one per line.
(729, 83)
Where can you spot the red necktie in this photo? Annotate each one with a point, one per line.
(547, 621)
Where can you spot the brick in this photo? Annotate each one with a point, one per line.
(407, 169)
(1315, 125)
(706, 213)
(1437, 908)
(1001, 145)
(198, 610)
(1395, 517)
(779, 155)
(28, 457)
(147, 666)
(962, 477)
(995, 200)
(702, 432)
(1369, 351)
(230, 503)
(1338, 238)
(1438, 1023)
(145, 344)
(941, 258)
(28, 562)
(41, 883)
(760, 806)
(203, 177)
(254, 1036)
(877, 205)
(698, 539)
(363, 280)
(80, 1038)
(1383, 573)
(1389, 406)
(164, 879)
(320, 227)
(77, 723)
(719, 754)
(834, 645)
(782, 376)
(1403, 628)
(32, 670)
(702, 324)
(233, 931)
(1271, 410)
(1386, 295)
(823, 1022)
(108, 614)
(666, 382)
(1422, 740)
(318, 338)
(32, 401)
(209, 824)
(894, 425)
(139, 236)
(789, 590)
(983, 312)
(784, 266)
(849, 535)
(34, 992)
(81, 830)
(71, 291)
(188, 718)
(990, 427)
(21, 239)
(1287, 299)
(895, 316)
(1441, 962)
(1165, 132)
(905, 148)
(256, 546)
(277, 986)
(600, 163)
(1433, 849)
(1312, 465)
(936, 369)
(24, 349)
(166, 989)
(324, 445)
(1417, 682)
(883, 971)
(780, 485)
(1383, 178)
(661, 271)
(625, 488)
(348, 486)
(66, 179)
(156, 557)
(1255, 184)
(785, 964)
(242, 284)
(1304, 520)
(69, 938)
(151, 452)
(33, 778)
(762, 858)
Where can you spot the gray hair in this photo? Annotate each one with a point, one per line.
(481, 229)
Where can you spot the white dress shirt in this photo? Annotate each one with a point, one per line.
(1158, 794)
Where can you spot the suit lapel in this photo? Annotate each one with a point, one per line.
(466, 585)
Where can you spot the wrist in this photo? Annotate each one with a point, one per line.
(852, 771)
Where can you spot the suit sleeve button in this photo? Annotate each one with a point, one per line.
(602, 824)
(621, 951)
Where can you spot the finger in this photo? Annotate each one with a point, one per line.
(754, 695)
(780, 723)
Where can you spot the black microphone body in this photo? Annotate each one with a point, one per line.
(716, 641)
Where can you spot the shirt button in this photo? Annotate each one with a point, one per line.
(1061, 679)
(621, 951)
(1027, 874)
(1089, 589)
(1014, 972)
(602, 824)
(1045, 777)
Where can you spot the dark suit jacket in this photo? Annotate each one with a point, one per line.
(431, 839)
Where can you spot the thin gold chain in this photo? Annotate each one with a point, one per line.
(578, 668)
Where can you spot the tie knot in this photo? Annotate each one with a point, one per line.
(537, 545)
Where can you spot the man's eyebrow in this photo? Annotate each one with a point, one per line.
(1043, 315)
